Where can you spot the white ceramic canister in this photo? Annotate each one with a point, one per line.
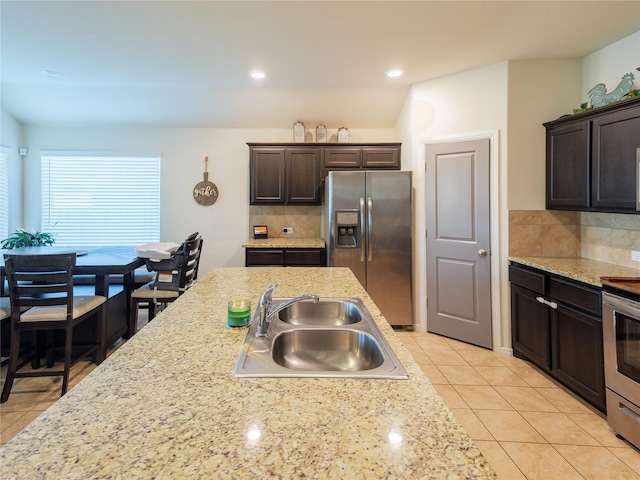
(298, 132)
(321, 134)
(343, 135)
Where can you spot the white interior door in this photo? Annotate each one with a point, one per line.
(458, 241)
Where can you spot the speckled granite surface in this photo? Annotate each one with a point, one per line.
(165, 406)
(581, 269)
(284, 243)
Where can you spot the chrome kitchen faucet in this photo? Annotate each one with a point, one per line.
(266, 312)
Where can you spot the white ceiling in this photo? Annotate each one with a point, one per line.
(186, 63)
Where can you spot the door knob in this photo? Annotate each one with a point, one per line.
(482, 252)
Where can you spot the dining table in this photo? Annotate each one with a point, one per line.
(103, 266)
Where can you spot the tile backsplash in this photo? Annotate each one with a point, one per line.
(305, 220)
(606, 237)
(610, 237)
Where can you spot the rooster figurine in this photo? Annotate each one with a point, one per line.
(600, 97)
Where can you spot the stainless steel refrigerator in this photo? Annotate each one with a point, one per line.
(368, 229)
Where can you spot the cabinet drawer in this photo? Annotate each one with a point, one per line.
(304, 257)
(576, 295)
(528, 279)
(264, 257)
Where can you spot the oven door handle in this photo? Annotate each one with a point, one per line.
(553, 305)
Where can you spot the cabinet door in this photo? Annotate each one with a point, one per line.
(530, 327)
(303, 175)
(381, 157)
(341, 157)
(568, 174)
(615, 139)
(267, 167)
(577, 353)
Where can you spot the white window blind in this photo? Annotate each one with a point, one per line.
(93, 199)
(4, 193)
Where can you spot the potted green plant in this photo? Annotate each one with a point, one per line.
(22, 238)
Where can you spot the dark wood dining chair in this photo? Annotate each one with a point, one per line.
(155, 297)
(42, 300)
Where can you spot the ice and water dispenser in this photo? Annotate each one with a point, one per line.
(347, 227)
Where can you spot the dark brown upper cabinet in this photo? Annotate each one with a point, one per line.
(285, 175)
(292, 173)
(361, 156)
(591, 159)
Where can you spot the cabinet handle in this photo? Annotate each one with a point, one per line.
(553, 305)
(638, 179)
(369, 228)
(362, 234)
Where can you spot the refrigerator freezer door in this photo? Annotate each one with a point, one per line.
(345, 192)
(389, 250)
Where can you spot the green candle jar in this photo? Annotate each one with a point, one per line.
(238, 312)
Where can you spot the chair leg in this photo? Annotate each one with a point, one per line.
(38, 337)
(133, 318)
(152, 310)
(68, 346)
(50, 360)
(12, 366)
(101, 327)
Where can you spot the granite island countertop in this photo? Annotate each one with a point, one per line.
(581, 269)
(165, 406)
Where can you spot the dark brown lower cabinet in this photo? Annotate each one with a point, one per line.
(576, 353)
(556, 323)
(285, 257)
(530, 328)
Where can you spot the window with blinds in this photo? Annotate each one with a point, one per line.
(94, 199)
(4, 193)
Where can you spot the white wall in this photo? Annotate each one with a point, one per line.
(609, 64)
(539, 91)
(223, 225)
(11, 139)
(466, 104)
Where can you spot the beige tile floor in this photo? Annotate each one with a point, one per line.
(526, 425)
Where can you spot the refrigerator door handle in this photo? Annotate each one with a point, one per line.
(361, 229)
(369, 228)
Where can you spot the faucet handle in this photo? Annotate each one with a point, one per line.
(266, 296)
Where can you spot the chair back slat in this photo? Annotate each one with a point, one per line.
(190, 264)
(40, 281)
(41, 288)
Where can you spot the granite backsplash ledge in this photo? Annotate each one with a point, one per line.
(604, 237)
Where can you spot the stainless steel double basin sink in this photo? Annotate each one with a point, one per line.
(331, 338)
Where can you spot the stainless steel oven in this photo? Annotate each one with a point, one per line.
(621, 335)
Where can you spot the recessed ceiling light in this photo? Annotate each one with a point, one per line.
(257, 74)
(50, 73)
(394, 73)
